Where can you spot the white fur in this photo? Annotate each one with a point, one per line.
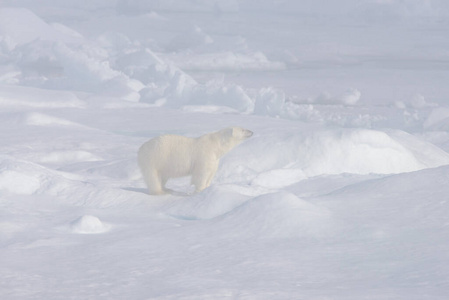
(171, 156)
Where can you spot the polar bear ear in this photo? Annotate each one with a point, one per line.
(227, 133)
(226, 136)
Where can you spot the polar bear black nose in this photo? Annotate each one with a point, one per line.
(248, 133)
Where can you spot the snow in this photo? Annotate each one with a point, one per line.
(35, 28)
(341, 193)
(88, 225)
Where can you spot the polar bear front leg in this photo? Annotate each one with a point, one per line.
(203, 174)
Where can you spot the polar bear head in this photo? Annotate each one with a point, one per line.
(238, 133)
(235, 134)
(232, 136)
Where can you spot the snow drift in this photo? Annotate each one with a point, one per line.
(89, 225)
(287, 159)
(277, 215)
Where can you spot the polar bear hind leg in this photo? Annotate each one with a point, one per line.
(154, 182)
(156, 187)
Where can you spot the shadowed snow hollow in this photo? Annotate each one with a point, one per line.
(19, 177)
(25, 178)
(211, 203)
(277, 215)
(275, 160)
(273, 215)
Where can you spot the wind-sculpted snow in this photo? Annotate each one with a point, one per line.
(212, 203)
(21, 177)
(267, 216)
(13, 27)
(277, 215)
(300, 156)
(438, 120)
(26, 178)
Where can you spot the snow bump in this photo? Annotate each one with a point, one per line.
(89, 225)
(300, 156)
(276, 215)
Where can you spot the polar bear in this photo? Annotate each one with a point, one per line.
(170, 156)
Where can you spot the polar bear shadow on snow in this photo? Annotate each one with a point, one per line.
(172, 156)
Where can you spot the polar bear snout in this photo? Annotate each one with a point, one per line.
(241, 133)
(247, 133)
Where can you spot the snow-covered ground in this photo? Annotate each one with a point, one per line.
(342, 192)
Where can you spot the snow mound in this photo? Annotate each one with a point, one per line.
(12, 24)
(26, 178)
(232, 96)
(400, 184)
(85, 70)
(277, 215)
(279, 178)
(363, 151)
(438, 119)
(15, 182)
(66, 30)
(296, 157)
(325, 108)
(212, 202)
(89, 225)
(166, 84)
(273, 215)
(144, 65)
(410, 201)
